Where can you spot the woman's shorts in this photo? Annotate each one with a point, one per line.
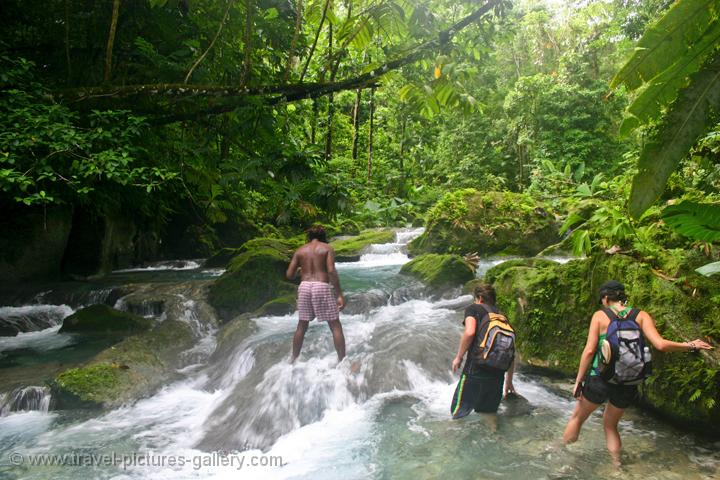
(598, 391)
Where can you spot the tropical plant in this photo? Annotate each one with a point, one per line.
(676, 71)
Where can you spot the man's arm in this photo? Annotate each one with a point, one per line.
(333, 277)
(293, 268)
(465, 341)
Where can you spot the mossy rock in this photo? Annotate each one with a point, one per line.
(550, 306)
(222, 258)
(104, 320)
(254, 277)
(126, 371)
(350, 249)
(278, 306)
(487, 223)
(439, 271)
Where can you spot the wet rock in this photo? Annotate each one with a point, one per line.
(439, 272)
(487, 223)
(101, 319)
(141, 363)
(254, 277)
(363, 302)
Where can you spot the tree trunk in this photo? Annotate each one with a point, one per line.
(313, 121)
(331, 105)
(356, 124)
(370, 134)
(317, 35)
(212, 43)
(111, 40)
(67, 40)
(249, 12)
(293, 43)
(402, 147)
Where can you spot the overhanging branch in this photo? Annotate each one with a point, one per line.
(225, 98)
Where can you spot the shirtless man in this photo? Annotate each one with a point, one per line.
(316, 261)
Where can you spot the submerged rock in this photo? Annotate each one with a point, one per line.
(101, 319)
(550, 306)
(143, 362)
(487, 223)
(439, 272)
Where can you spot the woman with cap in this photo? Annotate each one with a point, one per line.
(595, 391)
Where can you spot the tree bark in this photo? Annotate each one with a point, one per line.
(356, 124)
(111, 39)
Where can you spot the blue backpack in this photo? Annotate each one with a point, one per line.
(624, 359)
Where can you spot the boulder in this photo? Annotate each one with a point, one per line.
(103, 320)
(254, 277)
(550, 306)
(487, 223)
(439, 272)
(126, 371)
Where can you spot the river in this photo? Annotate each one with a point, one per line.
(381, 413)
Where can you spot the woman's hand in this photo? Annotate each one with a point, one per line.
(699, 345)
(509, 388)
(577, 389)
(456, 363)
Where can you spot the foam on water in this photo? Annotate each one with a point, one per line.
(383, 412)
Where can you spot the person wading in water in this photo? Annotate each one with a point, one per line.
(316, 261)
(619, 390)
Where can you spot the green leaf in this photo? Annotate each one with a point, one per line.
(572, 219)
(667, 40)
(663, 89)
(699, 221)
(709, 269)
(687, 119)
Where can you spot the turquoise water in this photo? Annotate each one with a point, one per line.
(382, 413)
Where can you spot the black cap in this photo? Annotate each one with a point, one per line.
(610, 287)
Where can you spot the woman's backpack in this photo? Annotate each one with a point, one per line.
(495, 342)
(624, 358)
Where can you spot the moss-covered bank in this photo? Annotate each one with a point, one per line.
(488, 223)
(550, 305)
(439, 271)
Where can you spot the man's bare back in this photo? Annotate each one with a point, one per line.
(316, 262)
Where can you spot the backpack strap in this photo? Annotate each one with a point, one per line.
(632, 315)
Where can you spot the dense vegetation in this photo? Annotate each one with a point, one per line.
(208, 123)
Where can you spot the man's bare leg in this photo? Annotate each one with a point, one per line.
(338, 338)
(298, 339)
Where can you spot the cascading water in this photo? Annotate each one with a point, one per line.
(383, 412)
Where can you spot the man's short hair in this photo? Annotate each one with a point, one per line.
(486, 292)
(317, 232)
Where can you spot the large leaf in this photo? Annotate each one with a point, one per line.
(667, 40)
(699, 221)
(663, 89)
(687, 119)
